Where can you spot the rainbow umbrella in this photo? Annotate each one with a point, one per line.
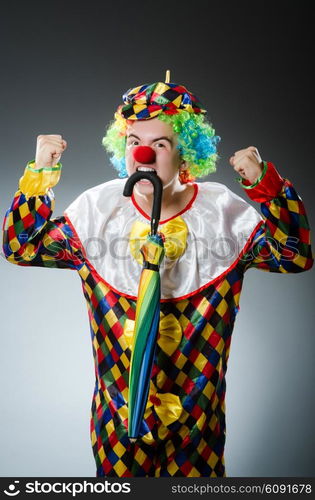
(147, 309)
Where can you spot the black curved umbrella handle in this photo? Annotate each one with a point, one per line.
(157, 195)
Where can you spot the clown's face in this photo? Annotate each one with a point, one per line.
(161, 138)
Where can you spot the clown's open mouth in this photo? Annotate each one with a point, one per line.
(146, 169)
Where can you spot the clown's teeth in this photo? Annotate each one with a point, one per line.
(145, 169)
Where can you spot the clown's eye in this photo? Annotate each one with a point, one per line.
(160, 145)
(133, 142)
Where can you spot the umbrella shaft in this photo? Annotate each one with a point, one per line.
(152, 267)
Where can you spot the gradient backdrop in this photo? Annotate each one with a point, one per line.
(64, 68)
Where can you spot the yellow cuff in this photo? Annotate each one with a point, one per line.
(35, 182)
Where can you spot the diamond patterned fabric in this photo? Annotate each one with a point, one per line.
(189, 369)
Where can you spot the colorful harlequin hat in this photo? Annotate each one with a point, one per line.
(146, 101)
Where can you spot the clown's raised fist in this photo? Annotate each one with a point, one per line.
(248, 163)
(49, 149)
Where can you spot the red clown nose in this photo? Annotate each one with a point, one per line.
(144, 154)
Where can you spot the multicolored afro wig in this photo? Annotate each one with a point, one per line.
(175, 105)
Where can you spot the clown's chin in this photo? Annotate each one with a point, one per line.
(144, 187)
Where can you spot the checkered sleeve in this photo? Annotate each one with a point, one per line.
(282, 242)
(30, 236)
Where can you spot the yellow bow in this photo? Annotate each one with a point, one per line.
(169, 336)
(175, 233)
(166, 405)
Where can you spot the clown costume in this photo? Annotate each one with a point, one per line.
(209, 245)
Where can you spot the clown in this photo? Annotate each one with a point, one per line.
(211, 237)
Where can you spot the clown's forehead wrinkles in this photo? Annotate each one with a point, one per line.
(164, 137)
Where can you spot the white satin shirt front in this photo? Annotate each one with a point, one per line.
(219, 224)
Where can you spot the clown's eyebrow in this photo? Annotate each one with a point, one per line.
(165, 138)
(133, 135)
(153, 140)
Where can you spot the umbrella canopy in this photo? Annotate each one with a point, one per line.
(147, 309)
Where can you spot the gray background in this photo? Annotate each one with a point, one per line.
(64, 68)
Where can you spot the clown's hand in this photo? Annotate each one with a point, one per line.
(248, 163)
(49, 149)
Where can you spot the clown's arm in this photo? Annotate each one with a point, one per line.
(281, 243)
(30, 237)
